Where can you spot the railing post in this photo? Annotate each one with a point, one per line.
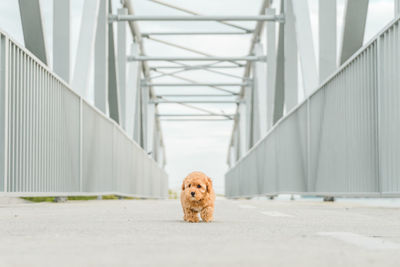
(378, 69)
(80, 144)
(4, 52)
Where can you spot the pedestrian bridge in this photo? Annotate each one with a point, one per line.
(320, 124)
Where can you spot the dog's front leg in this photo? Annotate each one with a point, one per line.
(207, 214)
(191, 216)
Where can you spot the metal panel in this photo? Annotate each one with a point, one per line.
(97, 154)
(343, 129)
(389, 109)
(291, 152)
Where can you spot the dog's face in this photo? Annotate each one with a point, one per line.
(196, 186)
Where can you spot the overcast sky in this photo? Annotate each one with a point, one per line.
(193, 145)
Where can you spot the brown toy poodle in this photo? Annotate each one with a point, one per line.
(197, 196)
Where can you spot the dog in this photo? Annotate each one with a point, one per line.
(197, 196)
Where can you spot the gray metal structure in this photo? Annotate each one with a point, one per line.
(338, 138)
(341, 140)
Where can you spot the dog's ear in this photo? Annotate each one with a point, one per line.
(183, 185)
(209, 184)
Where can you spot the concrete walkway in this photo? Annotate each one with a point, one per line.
(245, 233)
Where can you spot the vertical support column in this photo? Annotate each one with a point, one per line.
(236, 144)
(32, 27)
(279, 97)
(396, 8)
(327, 38)
(249, 98)
(85, 49)
(260, 86)
(101, 59)
(305, 45)
(144, 117)
(131, 92)
(122, 68)
(137, 124)
(150, 127)
(61, 38)
(242, 130)
(355, 16)
(113, 85)
(4, 51)
(290, 66)
(271, 67)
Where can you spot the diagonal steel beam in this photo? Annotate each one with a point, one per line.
(193, 81)
(32, 28)
(198, 14)
(189, 67)
(207, 111)
(187, 49)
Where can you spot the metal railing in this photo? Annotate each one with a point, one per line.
(52, 142)
(343, 140)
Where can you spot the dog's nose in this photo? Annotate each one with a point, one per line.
(192, 193)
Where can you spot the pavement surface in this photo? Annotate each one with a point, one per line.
(244, 233)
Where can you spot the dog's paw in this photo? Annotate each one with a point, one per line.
(207, 214)
(208, 219)
(193, 220)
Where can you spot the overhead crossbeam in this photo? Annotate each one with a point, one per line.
(195, 115)
(160, 101)
(196, 95)
(194, 84)
(145, 58)
(196, 67)
(147, 34)
(277, 18)
(199, 119)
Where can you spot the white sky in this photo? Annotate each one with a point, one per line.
(193, 145)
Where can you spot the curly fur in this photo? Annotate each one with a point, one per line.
(197, 196)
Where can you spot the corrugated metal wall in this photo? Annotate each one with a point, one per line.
(343, 140)
(389, 110)
(52, 141)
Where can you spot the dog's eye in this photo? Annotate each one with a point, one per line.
(190, 185)
(198, 186)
